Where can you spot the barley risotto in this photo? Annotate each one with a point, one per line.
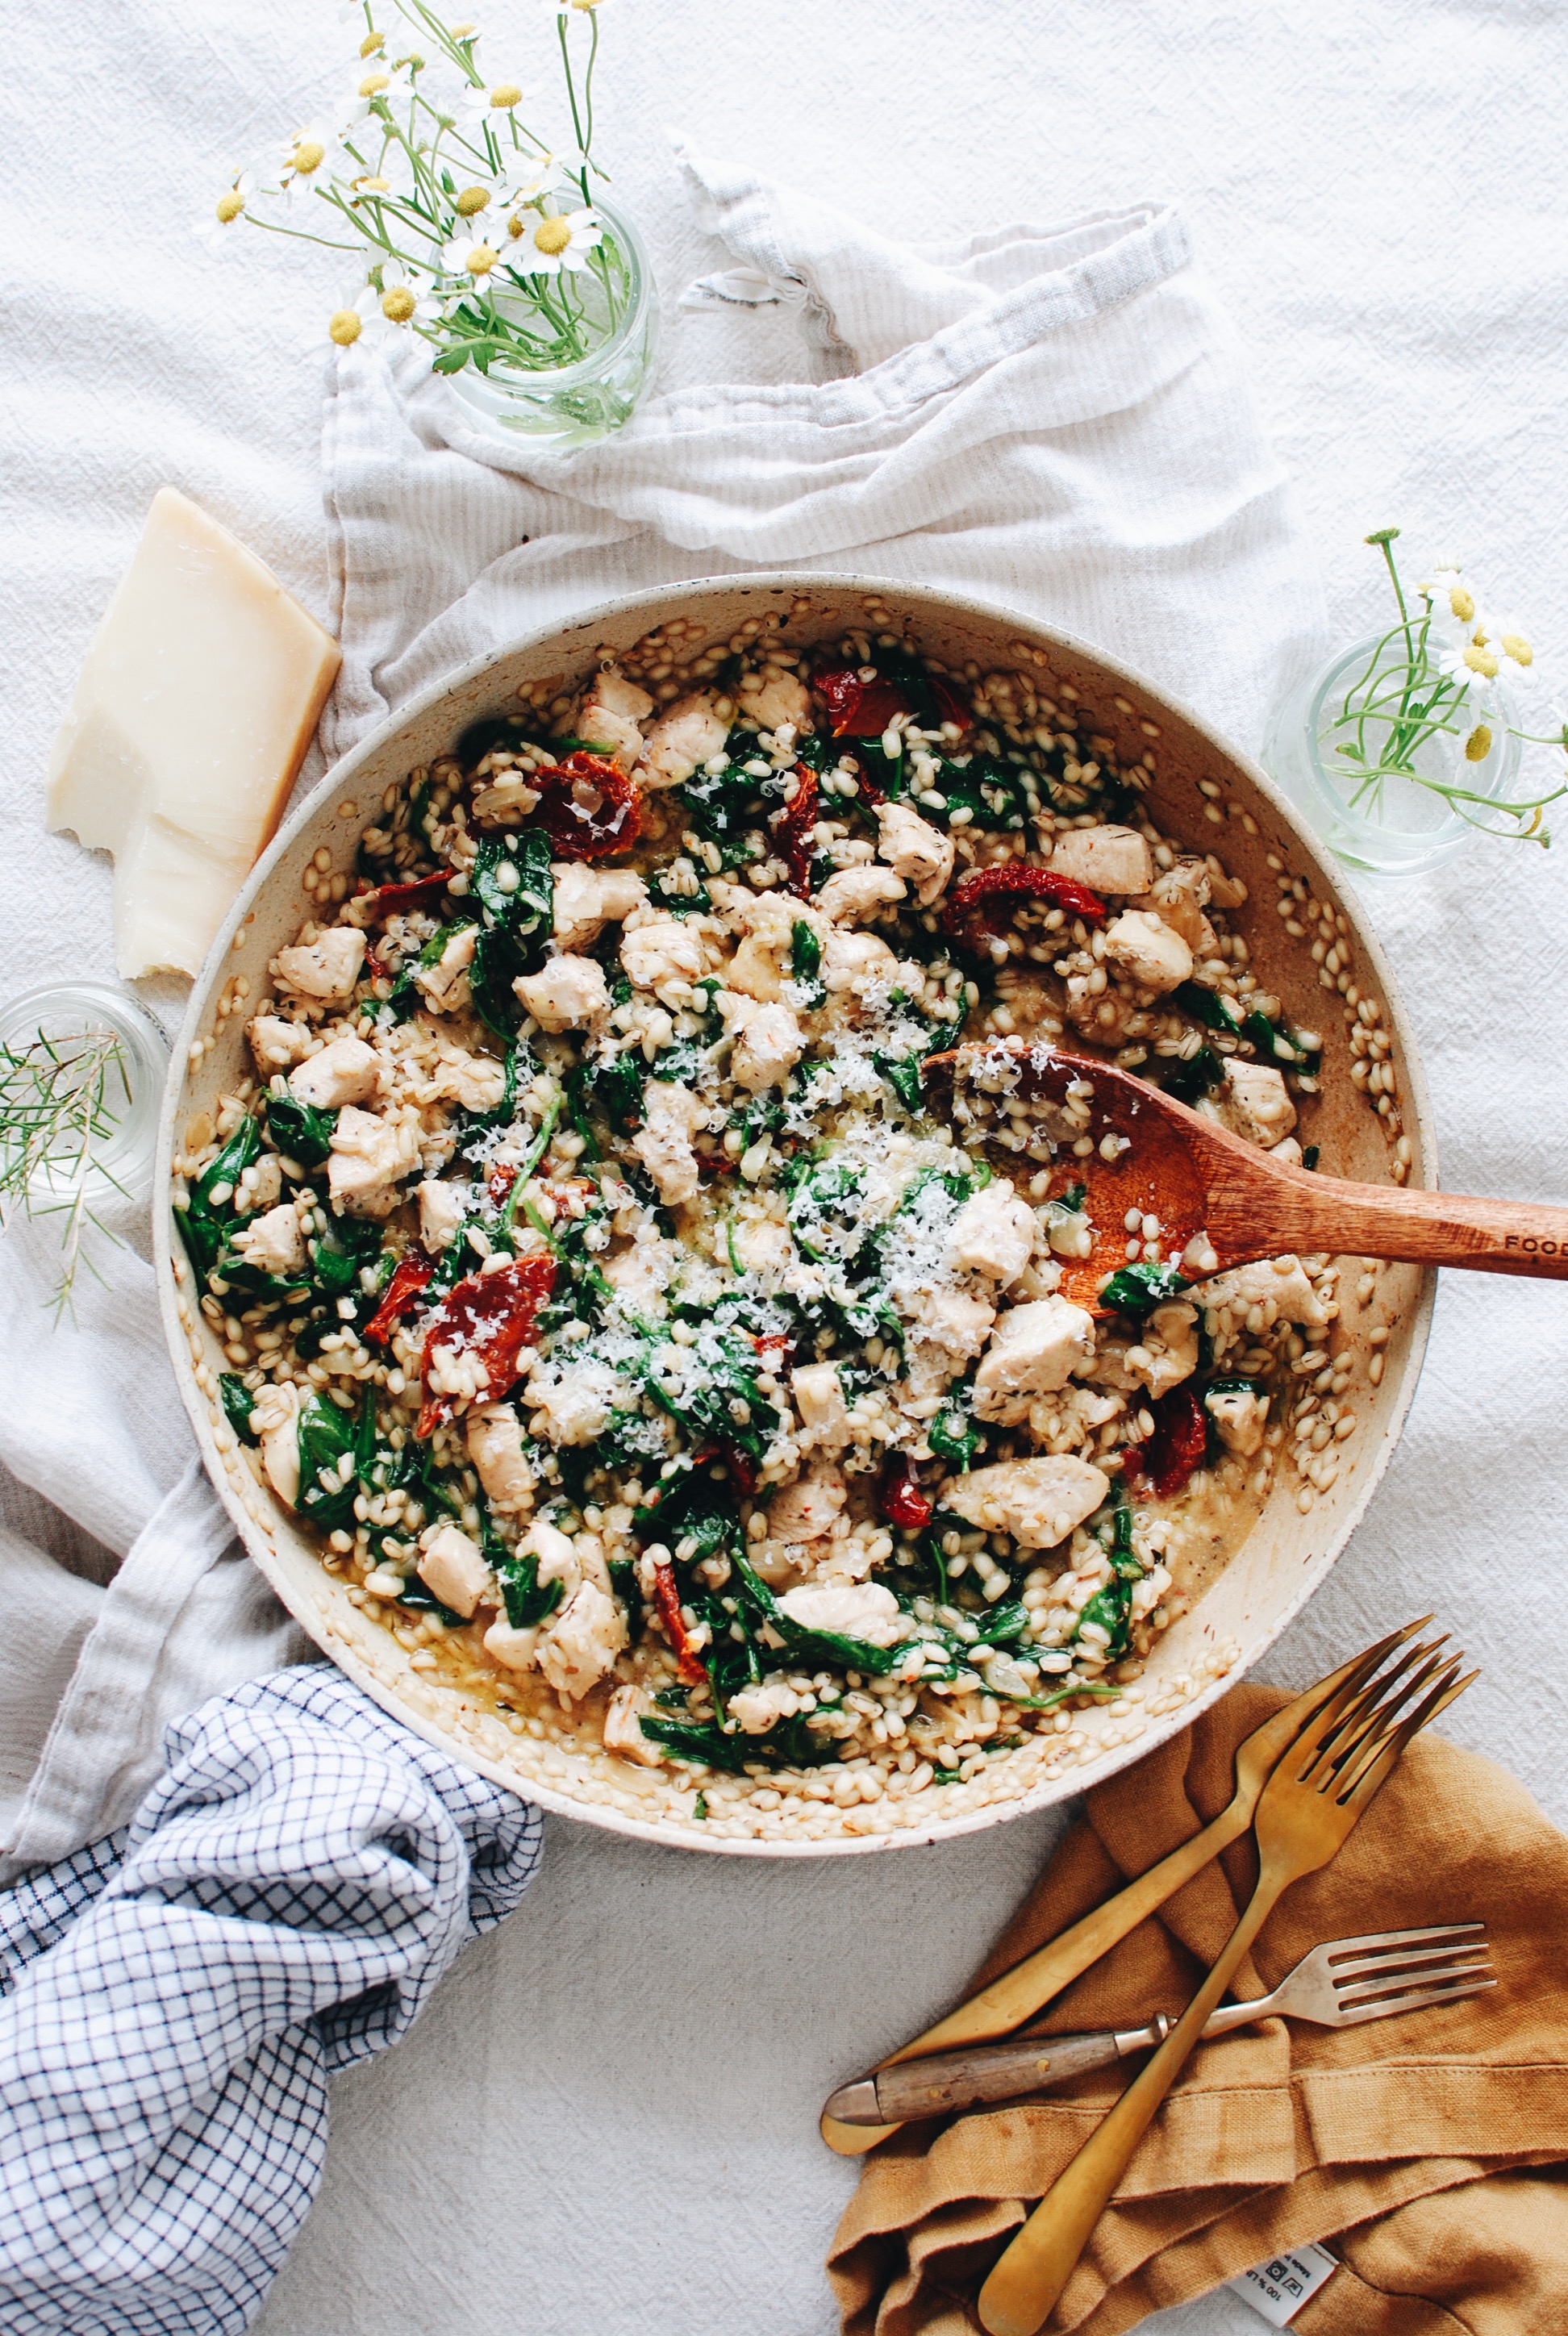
(642, 1354)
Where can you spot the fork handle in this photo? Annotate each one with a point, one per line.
(1024, 2284)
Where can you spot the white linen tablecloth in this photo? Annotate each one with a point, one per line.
(606, 2118)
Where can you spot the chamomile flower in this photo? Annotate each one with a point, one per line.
(1453, 603)
(1473, 666)
(1515, 657)
(219, 220)
(561, 239)
(493, 103)
(307, 158)
(471, 256)
(368, 97)
(405, 299)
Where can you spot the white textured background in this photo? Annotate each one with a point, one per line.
(607, 2122)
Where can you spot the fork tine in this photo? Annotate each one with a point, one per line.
(1401, 1937)
(1358, 1673)
(1416, 2001)
(1382, 1758)
(1346, 1723)
(1394, 1730)
(1363, 1973)
(1330, 1748)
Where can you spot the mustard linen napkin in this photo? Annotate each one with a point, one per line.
(1430, 2151)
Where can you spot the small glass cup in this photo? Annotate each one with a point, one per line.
(572, 406)
(120, 1163)
(1395, 827)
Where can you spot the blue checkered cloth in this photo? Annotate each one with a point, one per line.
(175, 1998)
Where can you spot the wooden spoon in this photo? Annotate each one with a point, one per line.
(1135, 1148)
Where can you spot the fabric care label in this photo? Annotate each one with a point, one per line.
(1278, 2289)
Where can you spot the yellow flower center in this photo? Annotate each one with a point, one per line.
(471, 201)
(1481, 661)
(373, 186)
(506, 93)
(230, 206)
(517, 224)
(552, 235)
(1478, 744)
(461, 32)
(399, 304)
(345, 328)
(482, 260)
(1515, 646)
(373, 82)
(1463, 606)
(371, 42)
(309, 156)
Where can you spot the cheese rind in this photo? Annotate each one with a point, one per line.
(194, 708)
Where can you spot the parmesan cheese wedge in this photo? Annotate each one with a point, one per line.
(194, 708)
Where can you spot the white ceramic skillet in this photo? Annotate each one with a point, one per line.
(1203, 792)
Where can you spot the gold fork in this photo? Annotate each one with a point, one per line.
(1018, 1993)
(1317, 1795)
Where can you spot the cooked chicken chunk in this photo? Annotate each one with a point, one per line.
(681, 741)
(473, 1081)
(758, 1709)
(453, 1568)
(623, 1736)
(915, 849)
(994, 1233)
(1278, 1287)
(580, 1640)
(804, 1511)
(858, 1609)
(1034, 1348)
(851, 894)
(274, 1423)
(1166, 1352)
(278, 1045)
(671, 1116)
(1239, 1416)
(1037, 1501)
(1255, 1103)
(609, 713)
(775, 697)
(1180, 895)
(496, 1447)
(566, 994)
(368, 1157)
(818, 1398)
(586, 899)
(664, 950)
(769, 1043)
(327, 968)
(1106, 859)
(444, 982)
(757, 971)
(274, 1243)
(851, 960)
(345, 1071)
(1144, 947)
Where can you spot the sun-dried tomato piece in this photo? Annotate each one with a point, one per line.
(743, 1468)
(490, 1316)
(900, 1498)
(588, 806)
(974, 898)
(794, 832)
(952, 706)
(857, 708)
(393, 900)
(667, 1598)
(1176, 1450)
(412, 1270)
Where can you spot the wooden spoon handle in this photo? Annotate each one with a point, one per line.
(1310, 1212)
(1024, 2284)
